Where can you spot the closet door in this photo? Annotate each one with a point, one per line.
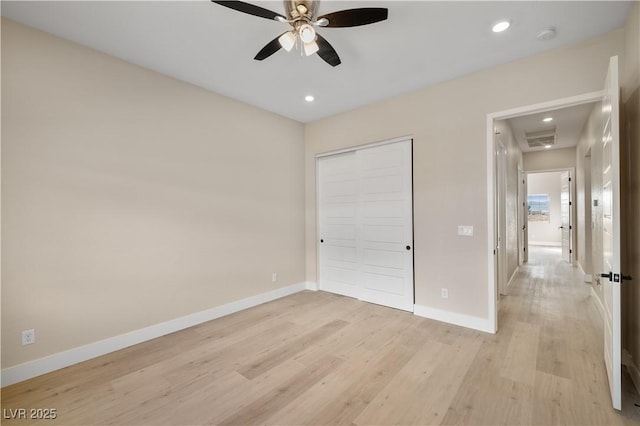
(366, 224)
(338, 201)
(385, 224)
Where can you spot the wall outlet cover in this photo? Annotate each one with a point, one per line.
(28, 337)
(465, 230)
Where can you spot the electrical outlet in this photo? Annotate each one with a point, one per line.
(445, 293)
(274, 277)
(28, 337)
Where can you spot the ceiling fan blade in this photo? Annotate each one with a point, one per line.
(272, 47)
(327, 52)
(355, 17)
(248, 8)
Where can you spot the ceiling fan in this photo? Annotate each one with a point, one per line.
(301, 15)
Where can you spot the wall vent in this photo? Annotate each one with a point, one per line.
(541, 138)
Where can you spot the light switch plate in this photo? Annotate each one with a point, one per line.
(465, 230)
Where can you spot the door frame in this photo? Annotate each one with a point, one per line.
(572, 210)
(523, 228)
(492, 281)
(320, 155)
(500, 217)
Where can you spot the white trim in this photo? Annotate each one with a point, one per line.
(311, 285)
(598, 303)
(363, 146)
(588, 278)
(562, 169)
(73, 356)
(502, 115)
(555, 104)
(513, 277)
(492, 282)
(545, 243)
(634, 372)
(468, 321)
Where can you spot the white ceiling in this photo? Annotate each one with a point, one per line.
(422, 43)
(568, 123)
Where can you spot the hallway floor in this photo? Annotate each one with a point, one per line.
(550, 299)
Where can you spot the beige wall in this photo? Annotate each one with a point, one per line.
(564, 158)
(130, 198)
(448, 124)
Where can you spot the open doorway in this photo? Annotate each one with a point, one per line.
(549, 213)
(512, 129)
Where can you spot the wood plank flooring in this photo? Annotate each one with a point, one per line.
(316, 358)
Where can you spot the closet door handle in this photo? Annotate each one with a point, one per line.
(408, 247)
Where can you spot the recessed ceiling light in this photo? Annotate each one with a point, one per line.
(501, 26)
(547, 146)
(309, 98)
(546, 34)
(547, 119)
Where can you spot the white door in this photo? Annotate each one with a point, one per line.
(365, 210)
(524, 211)
(565, 215)
(338, 201)
(386, 219)
(611, 232)
(501, 217)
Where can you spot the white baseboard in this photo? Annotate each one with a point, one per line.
(588, 278)
(310, 285)
(599, 304)
(634, 372)
(468, 321)
(73, 356)
(545, 243)
(513, 276)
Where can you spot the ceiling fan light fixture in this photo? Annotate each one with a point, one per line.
(311, 48)
(307, 33)
(287, 40)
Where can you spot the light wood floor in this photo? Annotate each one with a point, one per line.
(317, 358)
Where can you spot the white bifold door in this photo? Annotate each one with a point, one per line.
(365, 212)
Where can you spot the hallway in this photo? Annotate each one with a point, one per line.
(550, 306)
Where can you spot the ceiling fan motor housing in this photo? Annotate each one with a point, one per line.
(300, 9)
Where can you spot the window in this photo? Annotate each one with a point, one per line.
(538, 205)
